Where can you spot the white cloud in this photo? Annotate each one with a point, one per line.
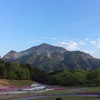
(55, 38)
(89, 51)
(93, 42)
(82, 43)
(87, 45)
(86, 39)
(96, 43)
(97, 54)
(98, 39)
(70, 45)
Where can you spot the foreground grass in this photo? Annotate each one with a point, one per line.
(11, 97)
(93, 89)
(73, 90)
(70, 98)
(15, 96)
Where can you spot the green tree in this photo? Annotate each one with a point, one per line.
(2, 71)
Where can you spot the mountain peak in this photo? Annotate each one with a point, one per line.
(41, 49)
(10, 54)
(44, 44)
(12, 51)
(49, 57)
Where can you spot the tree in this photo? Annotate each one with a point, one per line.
(2, 71)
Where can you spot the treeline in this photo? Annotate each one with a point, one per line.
(16, 71)
(66, 77)
(78, 77)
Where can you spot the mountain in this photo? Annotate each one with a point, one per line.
(51, 58)
(77, 59)
(41, 49)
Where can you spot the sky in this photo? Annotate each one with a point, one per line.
(72, 24)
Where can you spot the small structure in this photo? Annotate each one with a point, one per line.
(35, 87)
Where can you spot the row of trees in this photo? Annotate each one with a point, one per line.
(16, 71)
(12, 70)
(78, 77)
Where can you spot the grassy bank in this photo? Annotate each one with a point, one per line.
(15, 83)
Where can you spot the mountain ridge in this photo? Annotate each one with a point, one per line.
(42, 48)
(51, 58)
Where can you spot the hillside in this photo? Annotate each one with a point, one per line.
(51, 58)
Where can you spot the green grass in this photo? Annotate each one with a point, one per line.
(56, 92)
(93, 89)
(72, 90)
(69, 98)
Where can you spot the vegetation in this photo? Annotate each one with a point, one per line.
(58, 61)
(66, 77)
(69, 98)
(16, 71)
(78, 77)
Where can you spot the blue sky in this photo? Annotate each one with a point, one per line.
(72, 24)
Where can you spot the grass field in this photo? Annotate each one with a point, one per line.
(70, 98)
(11, 97)
(93, 89)
(74, 90)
